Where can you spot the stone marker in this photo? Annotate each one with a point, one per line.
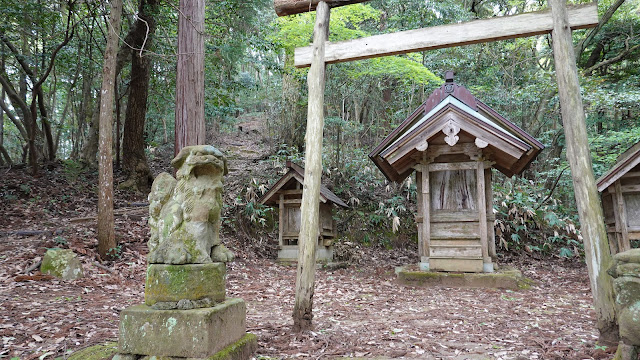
(61, 263)
(626, 272)
(186, 313)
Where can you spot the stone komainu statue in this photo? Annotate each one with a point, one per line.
(626, 284)
(184, 214)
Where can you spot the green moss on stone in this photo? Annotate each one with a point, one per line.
(96, 352)
(240, 350)
(61, 263)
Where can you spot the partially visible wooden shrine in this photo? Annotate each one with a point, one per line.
(452, 141)
(620, 192)
(286, 194)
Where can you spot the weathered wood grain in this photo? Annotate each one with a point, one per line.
(310, 208)
(437, 37)
(596, 247)
(292, 7)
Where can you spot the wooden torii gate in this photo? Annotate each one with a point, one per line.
(559, 21)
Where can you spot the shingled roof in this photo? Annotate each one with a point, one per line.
(452, 105)
(626, 162)
(288, 181)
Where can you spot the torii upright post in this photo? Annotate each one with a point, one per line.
(592, 227)
(309, 210)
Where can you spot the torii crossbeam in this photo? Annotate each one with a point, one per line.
(559, 21)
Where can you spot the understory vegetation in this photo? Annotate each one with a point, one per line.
(249, 72)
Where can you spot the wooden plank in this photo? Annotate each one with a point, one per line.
(426, 212)
(444, 36)
(482, 212)
(291, 201)
(280, 219)
(630, 188)
(632, 205)
(419, 218)
(453, 216)
(291, 192)
(291, 7)
(491, 218)
(622, 213)
(467, 165)
(454, 230)
(455, 242)
(631, 174)
(596, 247)
(617, 231)
(453, 191)
(448, 264)
(456, 251)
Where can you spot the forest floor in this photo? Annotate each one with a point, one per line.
(359, 311)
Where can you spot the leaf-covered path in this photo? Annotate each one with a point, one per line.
(359, 311)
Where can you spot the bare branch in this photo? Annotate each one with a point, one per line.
(628, 50)
(582, 45)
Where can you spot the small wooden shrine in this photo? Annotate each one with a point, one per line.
(286, 194)
(620, 192)
(452, 141)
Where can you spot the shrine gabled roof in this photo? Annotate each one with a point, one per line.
(452, 105)
(625, 162)
(295, 174)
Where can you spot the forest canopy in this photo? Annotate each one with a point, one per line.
(50, 63)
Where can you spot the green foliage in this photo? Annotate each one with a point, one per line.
(527, 218)
(405, 69)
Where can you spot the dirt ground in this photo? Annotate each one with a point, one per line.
(359, 311)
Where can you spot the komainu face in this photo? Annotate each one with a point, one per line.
(184, 213)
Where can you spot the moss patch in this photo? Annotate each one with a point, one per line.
(240, 350)
(505, 279)
(97, 352)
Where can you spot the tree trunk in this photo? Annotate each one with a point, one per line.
(190, 127)
(106, 231)
(90, 149)
(596, 244)
(134, 160)
(308, 238)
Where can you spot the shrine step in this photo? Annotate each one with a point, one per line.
(463, 264)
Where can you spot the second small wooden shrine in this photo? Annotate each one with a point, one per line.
(452, 141)
(286, 194)
(620, 191)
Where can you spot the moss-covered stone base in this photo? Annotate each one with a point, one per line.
(196, 333)
(172, 283)
(239, 350)
(502, 279)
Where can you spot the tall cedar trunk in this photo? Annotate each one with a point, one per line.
(106, 231)
(190, 126)
(134, 160)
(596, 244)
(310, 207)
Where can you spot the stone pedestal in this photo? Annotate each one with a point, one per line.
(195, 333)
(193, 282)
(185, 315)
